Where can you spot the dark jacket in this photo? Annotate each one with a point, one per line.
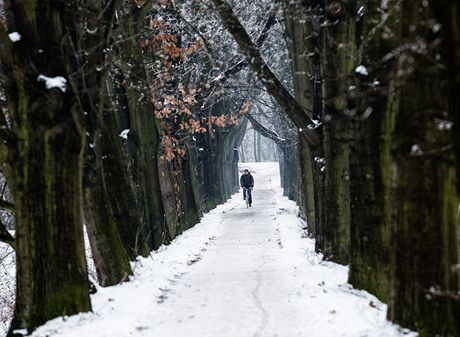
(247, 180)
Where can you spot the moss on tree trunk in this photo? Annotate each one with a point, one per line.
(120, 184)
(144, 136)
(45, 152)
(371, 261)
(426, 213)
(109, 254)
(338, 63)
(51, 267)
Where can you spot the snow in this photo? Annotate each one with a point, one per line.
(416, 150)
(437, 28)
(14, 37)
(57, 82)
(7, 286)
(362, 70)
(240, 272)
(124, 133)
(443, 125)
(219, 279)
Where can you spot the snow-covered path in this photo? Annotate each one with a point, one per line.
(240, 273)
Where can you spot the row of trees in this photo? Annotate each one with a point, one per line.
(112, 118)
(380, 175)
(370, 149)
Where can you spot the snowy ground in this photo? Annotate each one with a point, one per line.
(7, 286)
(239, 273)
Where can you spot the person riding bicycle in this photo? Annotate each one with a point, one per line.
(247, 183)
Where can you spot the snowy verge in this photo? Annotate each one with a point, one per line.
(334, 307)
(7, 286)
(118, 310)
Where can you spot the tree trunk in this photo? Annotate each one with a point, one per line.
(371, 158)
(307, 185)
(119, 181)
(301, 39)
(242, 155)
(208, 169)
(144, 136)
(256, 148)
(426, 214)
(448, 15)
(259, 147)
(178, 191)
(109, 254)
(51, 267)
(339, 55)
(45, 150)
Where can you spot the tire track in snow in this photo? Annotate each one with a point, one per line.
(258, 301)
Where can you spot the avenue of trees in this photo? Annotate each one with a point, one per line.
(127, 116)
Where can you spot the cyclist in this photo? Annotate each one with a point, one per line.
(247, 183)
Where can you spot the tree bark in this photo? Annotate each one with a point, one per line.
(448, 13)
(119, 181)
(51, 267)
(426, 214)
(256, 147)
(109, 255)
(45, 150)
(338, 63)
(307, 185)
(302, 41)
(144, 136)
(242, 155)
(371, 261)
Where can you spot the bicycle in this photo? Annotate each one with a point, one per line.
(247, 196)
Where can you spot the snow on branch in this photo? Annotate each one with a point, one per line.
(57, 82)
(14, 37)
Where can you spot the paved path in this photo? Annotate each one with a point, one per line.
(240, 273)
(256, 279)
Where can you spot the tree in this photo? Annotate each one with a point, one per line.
(109, 254)
(143, 137)
(302, 40)
(447, 15)
(426, 213)
(374, 101)
(45, 136)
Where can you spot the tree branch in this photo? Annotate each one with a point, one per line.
(5, 236)
(294, 110)
(267, 133)
(6, 205)
(241, 64)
